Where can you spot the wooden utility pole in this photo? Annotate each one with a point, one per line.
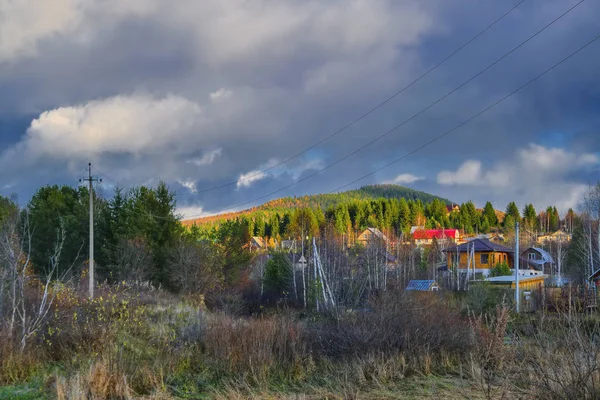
(90, 180)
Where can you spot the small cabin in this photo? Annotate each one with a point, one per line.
(537, 258)
(371, 235)
(258, 243)
(423, 286)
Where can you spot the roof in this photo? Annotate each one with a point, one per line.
(259, 241)
(435, 233)
(511, 278)
(422, 286)
(452, 207)
(376, 232)
(546, 257)
(595, 274)
(416, 228)
(481, 245)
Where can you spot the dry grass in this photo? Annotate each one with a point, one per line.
(123, 348)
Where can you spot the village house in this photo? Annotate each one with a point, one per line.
(478, 256)
(371, 235)
(423, 286)
(452, 208)
(258, 243)
(558, 236)
(289, 245)
(538, 259)
(443, 236)
(595, 278)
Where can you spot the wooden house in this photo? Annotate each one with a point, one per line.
(444, 236)
(536, 258)
(478, 256)
(258, 243)
(371, 235)
(452, 208)
(558, 236)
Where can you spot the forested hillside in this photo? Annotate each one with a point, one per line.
(326, 201)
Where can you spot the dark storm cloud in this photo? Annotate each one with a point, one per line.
(261, 82)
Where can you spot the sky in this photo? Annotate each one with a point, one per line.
(213, 96)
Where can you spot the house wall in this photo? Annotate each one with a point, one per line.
(365, 237)
(493, 259)
(529, 285)
(526, 254)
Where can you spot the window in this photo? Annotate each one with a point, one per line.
(532, 256)
(485, 259)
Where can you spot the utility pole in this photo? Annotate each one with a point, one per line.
(90, 180)
(517, 297)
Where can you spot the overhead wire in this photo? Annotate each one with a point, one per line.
(364, 115)
(435, 139)
(521, 44)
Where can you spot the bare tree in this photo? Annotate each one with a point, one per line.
(133, 260)
(21, 314)
(195, 267)
(590, 207)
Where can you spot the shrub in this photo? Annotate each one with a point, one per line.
(257, 349)
(418, 327)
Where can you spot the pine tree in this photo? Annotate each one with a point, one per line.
(513, 211)
(490, 213)
(529, 217)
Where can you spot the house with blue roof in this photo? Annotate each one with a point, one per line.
(423, 286)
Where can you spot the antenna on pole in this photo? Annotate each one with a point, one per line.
(90, 180)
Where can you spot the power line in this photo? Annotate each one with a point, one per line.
(409, 119)
(366, 114)
(468, 120)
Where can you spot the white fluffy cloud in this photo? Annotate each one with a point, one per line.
(207, 158)
(121, 124)
(536, 174)
(246, 180)
(471, 173)
(404, 179)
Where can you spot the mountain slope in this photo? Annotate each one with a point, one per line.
(324, 201)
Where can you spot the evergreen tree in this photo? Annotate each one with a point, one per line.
(53, 209)
(554, 220)
(8, 208)
(490, 213)
(530, 217)
(278, 275)
(403, 221)
(513, 211)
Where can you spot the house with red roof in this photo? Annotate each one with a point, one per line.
(425, 237)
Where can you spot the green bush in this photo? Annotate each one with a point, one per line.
(501, 269)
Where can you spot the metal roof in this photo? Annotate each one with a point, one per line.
(546, 257)
(511, 278)
(481, 245)
(419, 285)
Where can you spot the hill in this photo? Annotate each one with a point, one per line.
(324, 201)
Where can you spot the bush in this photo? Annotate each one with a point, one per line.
(418, 327)
(501, 269)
